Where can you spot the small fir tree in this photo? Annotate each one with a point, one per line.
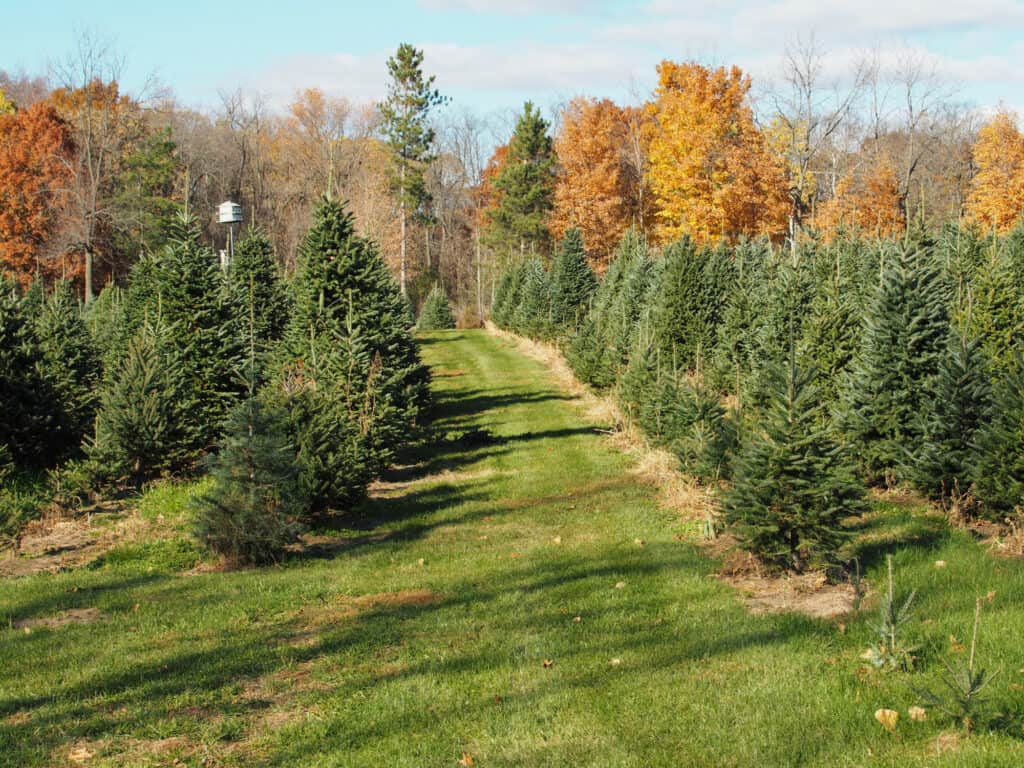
(253, 271)
(942, 466)
(793, 484)
(71, 364)
(533, 315)
(143, 426)
(904, 339)
(999, 467)
(28, 407)
(436, 314)
(573, 283)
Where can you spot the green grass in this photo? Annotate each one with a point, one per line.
(422, 632)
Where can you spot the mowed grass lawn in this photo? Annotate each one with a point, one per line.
(491, 603)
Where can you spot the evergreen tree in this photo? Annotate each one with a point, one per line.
(573, 282)
(436, 314)
(792, 484)
(533, 315)
(994, 310)
(71, 365)
(349, 371)
(254, 509)
(103, 318)
(904, 339)
(689, 304)
(507, 295)
(405, 115)
(27, 405)
(999, 469)
(144, 427)
(742, 316)
(831, 332)
(960, 404)
(526, 183)
(253, 270)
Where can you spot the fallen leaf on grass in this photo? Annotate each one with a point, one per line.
(955, 645)
(917, 714)
(940, 563)
(557, 539)
(421, 561)
(616, 662)
(620, 585)
(548, 663)
(577, 619)
(991, 595)
(467, 759)
(888, 718)
(640, 542)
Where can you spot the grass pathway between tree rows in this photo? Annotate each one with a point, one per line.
(490, 602)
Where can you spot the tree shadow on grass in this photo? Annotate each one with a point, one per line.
(244, 667)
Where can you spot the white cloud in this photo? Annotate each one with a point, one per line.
(604, 53)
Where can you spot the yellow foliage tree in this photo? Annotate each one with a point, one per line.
(870, 203)
(997, 190)
(710, 169)
(594, 191)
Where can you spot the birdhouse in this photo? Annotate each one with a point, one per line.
(229, 213)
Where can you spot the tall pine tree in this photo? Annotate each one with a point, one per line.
(405, 115)
(526, 184)
(573, 283)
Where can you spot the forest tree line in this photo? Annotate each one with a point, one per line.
(91, 175)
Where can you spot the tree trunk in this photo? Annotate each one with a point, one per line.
(88, 275)
(401, 191)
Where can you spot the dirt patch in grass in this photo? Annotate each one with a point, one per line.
(127, 751)
(447, 373)
(62, 619)
(57, 542)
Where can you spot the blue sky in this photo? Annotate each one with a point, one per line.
(492, 54)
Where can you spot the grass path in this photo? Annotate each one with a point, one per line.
(491, 600)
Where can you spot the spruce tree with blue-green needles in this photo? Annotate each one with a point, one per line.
(573, 283)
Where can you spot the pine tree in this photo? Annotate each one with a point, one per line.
(689, 304)
(405, 116)
(254, 509)
(999, 468)
(144, 427)
(573, 283)
(959, 405)
(349, 371)
(253, 269)
(526, 184)
(507, 295)
(792, 485)
(71, 365)
(994, 309)
(533, 315)
(904, 339)
(587, 351)
(103, 318)
(27, 404)
(436, 314)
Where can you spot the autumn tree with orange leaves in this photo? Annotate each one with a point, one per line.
(869, 203)
(35, 151)
(711, 172)
(595, 190)
(997, 191)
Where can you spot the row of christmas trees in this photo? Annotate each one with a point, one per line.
(293, 395)
(795, 378)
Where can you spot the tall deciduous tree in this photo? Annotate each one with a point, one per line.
(997, 192)
(710, 168)
(524, 185)
(406, 113)
(871, 204)
(592, 192)
(35, 150)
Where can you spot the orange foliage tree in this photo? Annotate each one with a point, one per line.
(997, 191)
(870, 203)
(594, 189)
(489, 196)
(710, 169)
(35, 152)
